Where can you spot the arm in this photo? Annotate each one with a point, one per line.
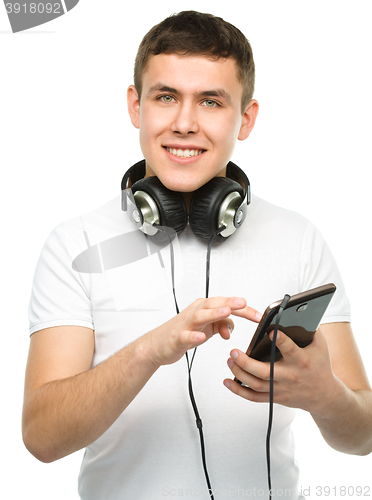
(349, 429)
(327, 379)
(68, 405)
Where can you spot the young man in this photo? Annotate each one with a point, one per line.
(106, 367)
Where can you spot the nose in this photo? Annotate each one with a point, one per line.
(185, 120)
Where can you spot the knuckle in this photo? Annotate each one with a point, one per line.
(266, 372)
(198, 319)
(199, 302)
(181, 340)
(196, 316)
(303, 364)
(257, 385)
(291, 349)
(287, 349)
(294, 378)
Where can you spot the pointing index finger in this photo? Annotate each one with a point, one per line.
(248, 313)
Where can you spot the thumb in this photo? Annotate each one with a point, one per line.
(286, 346)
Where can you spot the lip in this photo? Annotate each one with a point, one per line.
(183, 146)
(178, 159)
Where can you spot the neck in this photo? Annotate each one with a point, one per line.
(187, 199)
(185, 195)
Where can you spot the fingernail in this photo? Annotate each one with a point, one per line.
(234, 354)
(226, 384)
(271, 335)
(258, 316)
(230, 362)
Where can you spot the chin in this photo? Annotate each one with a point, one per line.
(182, 186)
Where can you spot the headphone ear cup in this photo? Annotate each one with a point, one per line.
(170, 204)
(206, 203)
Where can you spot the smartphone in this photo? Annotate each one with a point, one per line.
(300, 320)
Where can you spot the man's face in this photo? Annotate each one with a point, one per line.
(189, 118)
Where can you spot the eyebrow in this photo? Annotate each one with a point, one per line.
(159, 87)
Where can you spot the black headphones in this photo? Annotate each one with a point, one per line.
(221, 202)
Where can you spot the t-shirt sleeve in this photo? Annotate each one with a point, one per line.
(319, 268)
(60, 295)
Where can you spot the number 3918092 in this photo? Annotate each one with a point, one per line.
(343, 491)
(33, 8)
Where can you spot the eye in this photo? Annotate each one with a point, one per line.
(209, 103)
(166, 98)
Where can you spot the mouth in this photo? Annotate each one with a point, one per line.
(184, 153)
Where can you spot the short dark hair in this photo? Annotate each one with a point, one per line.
(194, 33)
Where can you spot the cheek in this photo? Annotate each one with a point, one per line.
(223, 133)
(154, 121)
(150, 129)
(223, 126)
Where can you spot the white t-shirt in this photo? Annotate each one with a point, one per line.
(152, 450)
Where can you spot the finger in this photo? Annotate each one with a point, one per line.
(202, 317)
(249, 380)
(224, 327)
(258, 369)
(246, 392)
(190, 339)
(217, 302)
(289, 349)
(214, 309)
(248, 313)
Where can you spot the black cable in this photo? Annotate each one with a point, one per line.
(208, 264)
(271, 405)
(199, 423)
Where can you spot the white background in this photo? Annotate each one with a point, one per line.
(66, 141)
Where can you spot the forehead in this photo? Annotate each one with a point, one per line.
(192, 74)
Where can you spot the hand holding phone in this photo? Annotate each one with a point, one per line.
(300, 320)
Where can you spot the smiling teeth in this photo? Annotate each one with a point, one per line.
(185, 153)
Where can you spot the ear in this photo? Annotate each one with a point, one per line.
(133, 106)
(248, 119)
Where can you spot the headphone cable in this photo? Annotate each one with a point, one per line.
(271, 404)
(199, 423)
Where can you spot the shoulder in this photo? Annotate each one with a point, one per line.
(266, 211)
(265, 217)
(91, 227)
